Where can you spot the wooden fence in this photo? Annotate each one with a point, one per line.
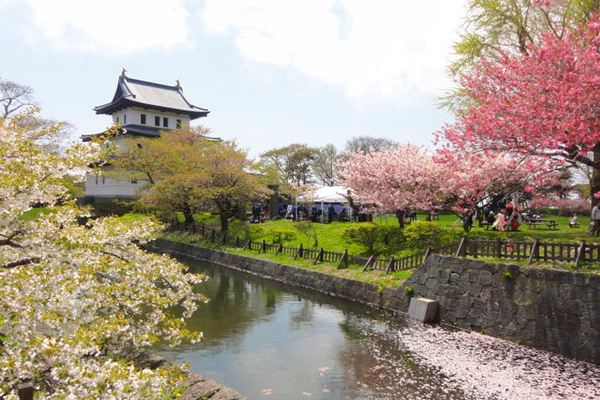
(511, 250)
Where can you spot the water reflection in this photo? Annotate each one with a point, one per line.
(268, 340)
(272, 341)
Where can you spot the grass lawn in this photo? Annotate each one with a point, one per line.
(330, 238)
(330, 235)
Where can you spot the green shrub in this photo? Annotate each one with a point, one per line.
(280, 235)
(421, 235)
(392, 236)
(363, 233)
(245, 231)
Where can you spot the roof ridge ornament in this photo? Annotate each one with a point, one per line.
(124, 73)
(177, 84)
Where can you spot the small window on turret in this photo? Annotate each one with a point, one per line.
(165, 122)
(143, 119)
(124, 118)
(156, 121)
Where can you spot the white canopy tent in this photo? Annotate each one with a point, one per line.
(325, 194)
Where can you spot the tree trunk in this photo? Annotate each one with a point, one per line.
(595, 182)
(400, 215)
(224, 222)
(188, 215)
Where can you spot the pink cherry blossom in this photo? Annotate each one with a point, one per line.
(541, 106)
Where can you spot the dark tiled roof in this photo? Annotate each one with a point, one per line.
(138, 130)
(141, 130)
(134, 92)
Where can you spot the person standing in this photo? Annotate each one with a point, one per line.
(330, 212)
(595, 230)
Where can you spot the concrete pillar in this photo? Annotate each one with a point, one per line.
(422, 309)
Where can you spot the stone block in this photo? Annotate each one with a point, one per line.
(422, 309)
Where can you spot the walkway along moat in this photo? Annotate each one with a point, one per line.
(266, 339)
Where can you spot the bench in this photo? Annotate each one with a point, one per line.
(550, 224)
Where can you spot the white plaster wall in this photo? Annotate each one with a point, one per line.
(102, 186)
(134, 117)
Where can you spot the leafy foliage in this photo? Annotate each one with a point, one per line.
(421, 235)
(280, 236)
(292, 163)
(365, 234)
(187, 172)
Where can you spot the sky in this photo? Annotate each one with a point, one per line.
(272, 72)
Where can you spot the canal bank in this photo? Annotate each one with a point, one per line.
(550, 310)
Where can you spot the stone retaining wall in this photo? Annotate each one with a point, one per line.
(551, 310)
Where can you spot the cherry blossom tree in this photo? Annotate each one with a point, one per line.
(75, 297)
(394, 179)
(542, 105)
(474, 181)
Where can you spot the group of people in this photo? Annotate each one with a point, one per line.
(259, 213)
(507, 218)
(327, 213)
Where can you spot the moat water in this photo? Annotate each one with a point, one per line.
(272, 341)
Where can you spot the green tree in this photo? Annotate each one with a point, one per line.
(187, 172)
(293, 163)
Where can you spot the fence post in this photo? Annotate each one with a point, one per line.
(580, 253)
(263, 247)
(391, 265)
(237, 241)
(343, 260)
(462, 248)
(499, 248)
(368, 264)
(279, 249)
(248, 244)
(25, 391)
(212, 235)
(319, 257)
(535, 251)
(300, 252)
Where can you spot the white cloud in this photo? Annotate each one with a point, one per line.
(108, 26)
(377, 51)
